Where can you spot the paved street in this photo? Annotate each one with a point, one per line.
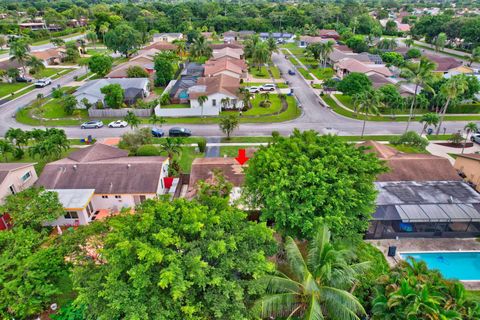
(314, 115)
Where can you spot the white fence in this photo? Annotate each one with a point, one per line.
(118, 113)
(186, 112)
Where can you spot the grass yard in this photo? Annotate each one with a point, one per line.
(275, 72)
(176, 106)
(294, 49)
(308, 62)
(257, 110)
(305, 74)
(186, 158)
(54, 110)
(186, 140)
(48, 72)
(408, 149)
(256, 73)
(247, 139)
(85, 76)
(158, 90)
(9, 88)
(231, 151)
(293, 61)
(322, 73)
(93, 51)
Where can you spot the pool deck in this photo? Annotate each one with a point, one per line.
(427, 245)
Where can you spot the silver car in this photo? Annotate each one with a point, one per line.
(94, 124)
(475, 138)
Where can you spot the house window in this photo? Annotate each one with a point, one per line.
(26, 176)
(214, 102)
(142, 198)
(118, 196)
(104, 197)
(12, 189)
(71, 215)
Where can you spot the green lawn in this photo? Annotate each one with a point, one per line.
(186, 158)
(158, 90)
(54, 110)
(256, 110)
(176, 106)
(308, 62)
(92, 51)
(294, 49)
(408, 149)
(305, 74)
(275, 72)
(247, 139)
(293, 61)
(9, 88)
(85, 76)
(230, 151)
(322, 73)
(48, 72)
(256, 73)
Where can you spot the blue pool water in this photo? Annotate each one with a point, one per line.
(452, 265)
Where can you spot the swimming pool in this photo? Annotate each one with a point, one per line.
(453, 265)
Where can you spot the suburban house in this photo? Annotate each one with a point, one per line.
(144, 61)
(421, 196)
(468, 166)
(229, 36)
(444, 64)
(306, 40)
(51, 56)
(134, 89)
(235, 53)
(161, 46)
(14, 177)
(278, 36)
(35, 26)
(167, 37)
(349, 65)
(405, 90)
(336, 55)
(232, 45)
(226, 66)
(100, 180)
(244, 34)
(188, 78)
(459, 70)
(216, 88)
(328, 34)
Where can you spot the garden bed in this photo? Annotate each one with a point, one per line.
(455, 145)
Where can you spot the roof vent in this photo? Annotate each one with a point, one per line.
(450, 200)
(74, 167)
(129, 165)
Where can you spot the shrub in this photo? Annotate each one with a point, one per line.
(148, 150)
(57, 93)
(18, 153)
(265, 104)
(410, 138)
(456, 138)
(414, 53)
(202, 145)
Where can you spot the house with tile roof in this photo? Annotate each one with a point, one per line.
(444, 64)
(225, 65)
(468, 165)
(50, 56)
(346, 66)
(144, 61)
(235, 53)
(216, 88)
(102, 178)
(328, 34)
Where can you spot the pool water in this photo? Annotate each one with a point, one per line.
(452, 265)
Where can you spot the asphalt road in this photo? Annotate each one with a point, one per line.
(314, 116)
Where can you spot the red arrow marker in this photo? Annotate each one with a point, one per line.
(241, 158)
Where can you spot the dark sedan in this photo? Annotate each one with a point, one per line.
(179, 132)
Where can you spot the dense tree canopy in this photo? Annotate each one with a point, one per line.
(177, 260)
(124, 39)
(299, 180)
(354, 83)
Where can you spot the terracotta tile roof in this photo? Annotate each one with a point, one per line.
(329, 33)
(220, 83)
(47, 54)
(104, 168)
(239, 62)
(143, 61)
(212, 67)
(410, 166)
(161, 45)
(233, 45)
(471, 156)
(227, 52)
(343, 48)
(444, 63)
(353, 65)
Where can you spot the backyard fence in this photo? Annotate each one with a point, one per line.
(118, 113)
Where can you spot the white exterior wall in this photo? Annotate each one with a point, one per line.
(62, 221)
(14, 179)
(112, 203)
(217, 97)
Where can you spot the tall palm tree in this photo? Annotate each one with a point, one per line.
(420, 74)
(354, 24)
(387, 44)
(103, 29)
(261, 54)
(17, 136)
(35, 65)
(327, 49)
(132, 120)
(201, 101)
(429, 119)
(409, 42)
(369, 103)
(154, 119)
(469, 128)
(315, 286)
(171, 146)
(19, 51)
(181, 49)
(200, 48)
(451, 89)
(92, 37)
(272, 45)
(245, 96)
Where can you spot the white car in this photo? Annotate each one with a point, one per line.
(475, 138)
(267, 87)
(42, 83)
(118, 124)
(253, 89)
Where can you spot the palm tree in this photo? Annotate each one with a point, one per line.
(354, 24)
(420, 74)
(103, 29)
(451, 89)
(429, 119)
(154, 119)
(440, 41)
(387, 44)
(92, 37)
(369, 102)
(272, 45)
(327, 49)
(469, 128)
(225, 102)
(17, 136)
(261, 54)
(409, 42)
(245, 96)
(171, 146)
(19, 51)
(315, 286)
(132, 120)
(35, 66)
(474, 56)
(57, 42)
(201, 101)
(200, 48)
(5, 147)
(181, 49)
(228, 124)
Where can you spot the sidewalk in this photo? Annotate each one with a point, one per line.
(443, 151)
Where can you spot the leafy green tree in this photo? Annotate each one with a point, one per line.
(469, 128)
(357, 44)
(387, 44)
(137, 72)
(393, 58)
(314, 285)
(414, 53)
(154, 120)
(33, 206)
(17, 136)
(93, 38)
(451, 89)
(163, 71)
(354, 83)
(132, 120)
(123, 39)
(35, 66)
(20, 52)
(391, 98)
(5, 148)
(57, 42)
(69, 103)
(114, 95)
(296, 181)
(228, 124)
(409, 42)
(440, 41)
(100, 64)
(50, 144)
(314, 50)
(177, 259)
(429, 119)
(410, 139)
(474, 56)
(71, 52)
(420, 74)
(13, 74)
(391, 27)
(133, 140)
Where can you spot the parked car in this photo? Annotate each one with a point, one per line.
(475, 138)
(118, 124)
(157, 132)
(94, 124)
(253, 89)
(291, 72)
(42, 83)
(267, 87)
(179, 132)
(23, 79)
